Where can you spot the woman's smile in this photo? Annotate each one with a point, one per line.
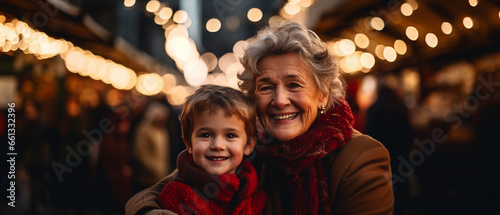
(278, 117)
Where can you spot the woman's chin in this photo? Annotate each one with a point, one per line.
(284, 136)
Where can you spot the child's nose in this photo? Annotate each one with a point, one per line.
(217, 144)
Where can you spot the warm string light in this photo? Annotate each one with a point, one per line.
(182, 49)
(294, 7)
(387, 53)
(16, 35)
(468, 23)
(129, 3)
(473, 3)
(254, 14)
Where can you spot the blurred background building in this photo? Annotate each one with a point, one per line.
(86, 75)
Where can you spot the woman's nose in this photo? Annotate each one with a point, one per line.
(280, 99)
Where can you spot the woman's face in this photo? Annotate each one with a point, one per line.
(287, 96)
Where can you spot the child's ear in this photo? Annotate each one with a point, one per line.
(188, 146)
(250, 146)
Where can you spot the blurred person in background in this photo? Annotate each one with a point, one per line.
(387, 120)
(115, 187)
(35, 152)
(151, 147)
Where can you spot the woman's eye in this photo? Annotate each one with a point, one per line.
(264, 88)
(293, 85)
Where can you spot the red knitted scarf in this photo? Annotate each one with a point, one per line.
(232, 192)
(298, 162)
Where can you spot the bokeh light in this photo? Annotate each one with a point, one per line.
(180, 16)
(129, 3)
(468, 23)
(377, 23)
(153, 6)
(213, 25)
(239, 48)
(367, 60)
(195, 72)
(400, 47)
(431, 40)
(149, 84)
(446, 27)
(406, 9)
(390, 54)
(412, 33)
(210, 60)
(473, 3)
(254, 14)
(361, 40)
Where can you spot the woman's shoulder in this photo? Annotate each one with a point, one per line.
(360, 148)
(362, 142)
(359, 144)
(359, 177)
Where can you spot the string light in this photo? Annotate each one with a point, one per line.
(129, 3)
(306, 3)
(166, 13)
(291, 8)
(447, 28)
(379, 51)
(361, 40)
(213, 25)
(377, 23)
(149, 84)
(412, 33)
(254, 14)
(473, 3)
(468, 23)
(406, 9)
(431, 40)
(169, 81)
(180, 16)
(389, 54)
(400, 47)
(17, 34)
(367, 60)
(153, 6)
(346, 47)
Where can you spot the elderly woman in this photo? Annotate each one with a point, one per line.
(311, 160)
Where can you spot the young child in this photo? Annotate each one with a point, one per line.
(218, 129)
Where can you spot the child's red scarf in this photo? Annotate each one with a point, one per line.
(194, 191)
(298, 162)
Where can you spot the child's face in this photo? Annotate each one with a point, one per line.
(218, 142)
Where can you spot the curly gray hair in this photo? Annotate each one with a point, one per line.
(287, 37)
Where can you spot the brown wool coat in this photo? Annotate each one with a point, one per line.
(359, 182)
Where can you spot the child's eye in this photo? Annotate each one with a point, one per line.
(231, 136)
(204, 135)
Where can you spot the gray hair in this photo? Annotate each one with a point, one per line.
(288, 37)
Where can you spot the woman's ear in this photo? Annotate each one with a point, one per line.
(250, 146)
(324, 100)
